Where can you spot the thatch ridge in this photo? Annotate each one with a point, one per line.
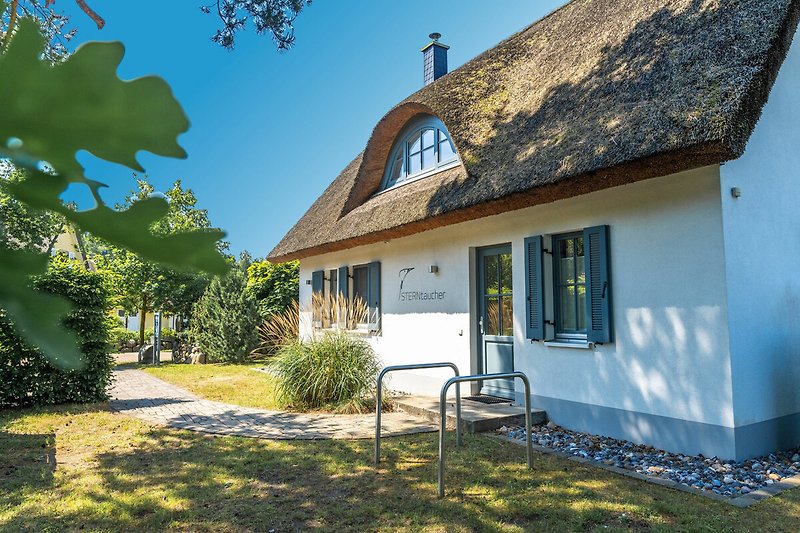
(597, 94)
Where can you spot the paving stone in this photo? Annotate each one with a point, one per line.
(148, 398)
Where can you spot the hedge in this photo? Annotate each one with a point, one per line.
(27, 377)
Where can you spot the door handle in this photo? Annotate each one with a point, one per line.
(480, 324)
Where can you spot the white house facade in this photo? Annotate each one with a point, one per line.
(649, 297)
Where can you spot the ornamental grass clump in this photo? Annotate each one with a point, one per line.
(335, 371)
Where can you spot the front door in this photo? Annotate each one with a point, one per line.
(496, 318)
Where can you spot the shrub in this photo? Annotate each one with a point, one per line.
(119, 336)
(278, 330)
(26, 375)
(325, 312)
(275, 286)
(335, 371)
(225, 323)
(165, 332)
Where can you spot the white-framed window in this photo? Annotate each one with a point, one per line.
(422, 148)
(579, 280)
(569, 286)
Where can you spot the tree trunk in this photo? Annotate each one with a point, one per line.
(142, 319)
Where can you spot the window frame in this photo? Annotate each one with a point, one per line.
(371, 273)
(401, 148)
(361, 326)
(577, 335)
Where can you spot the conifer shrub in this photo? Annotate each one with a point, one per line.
(333, 371)
(225, 319)
(27, 377)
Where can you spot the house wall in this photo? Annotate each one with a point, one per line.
(664, 381)
(167, 321)
(67, 242)
(762, 247)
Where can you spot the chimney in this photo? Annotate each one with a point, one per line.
(435, 59)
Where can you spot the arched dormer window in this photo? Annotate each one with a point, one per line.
(422, 148)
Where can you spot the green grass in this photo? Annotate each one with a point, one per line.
(115, 473)
(234, 384)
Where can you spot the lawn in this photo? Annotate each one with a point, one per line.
(113, 473)
(235, 384)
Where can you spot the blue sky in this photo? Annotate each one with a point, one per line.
(271, 130)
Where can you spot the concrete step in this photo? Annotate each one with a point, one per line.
(476, 417)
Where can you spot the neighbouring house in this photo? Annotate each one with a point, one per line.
(70, 242)
(131, 322)
(602, 201)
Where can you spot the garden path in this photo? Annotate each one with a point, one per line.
(143, 396)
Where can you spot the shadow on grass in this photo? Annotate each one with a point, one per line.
(27, 463)
(153, 479)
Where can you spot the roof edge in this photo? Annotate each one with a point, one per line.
(758, 90)
(692, 157)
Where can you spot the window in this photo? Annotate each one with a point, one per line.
(423, 147)
(580, 284)
(366, 281)
(569, 284)
(361, 283)
(333, 283)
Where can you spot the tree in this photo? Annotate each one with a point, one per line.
(52, 111)
(225, 322)
(53, 25)
(275, 286)
(141, 286)
(272, 17)
(21, 227)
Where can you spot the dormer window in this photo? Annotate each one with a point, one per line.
(422, 148)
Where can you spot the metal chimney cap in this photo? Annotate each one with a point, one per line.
(435, 36)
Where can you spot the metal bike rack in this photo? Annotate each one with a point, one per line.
(443, 418)
(379, 399)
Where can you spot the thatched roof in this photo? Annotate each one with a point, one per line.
(597, 94)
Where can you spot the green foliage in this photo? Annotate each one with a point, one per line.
(165, 332)
(119, 336)
(225, 321)
(54, 26)
(51, 112)
(274, 17)
(86, 103)
(275, 286)
(37, 316)
(336, 370)
(137, 285)
(27, 377)
(23, 228)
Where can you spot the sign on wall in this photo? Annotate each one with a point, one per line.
(414, 289)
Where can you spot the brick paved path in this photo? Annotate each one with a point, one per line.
(139, 394)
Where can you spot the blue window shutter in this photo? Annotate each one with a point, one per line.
(598, 285)
(374, 296)
(344, 282)
(534, 288)
(317, 282)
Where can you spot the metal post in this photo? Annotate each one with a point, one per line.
(443, 418)
(379, 400)
(156, 337)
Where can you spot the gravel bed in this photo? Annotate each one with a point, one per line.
(728, 478)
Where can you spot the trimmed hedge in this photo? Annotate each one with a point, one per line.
(27, 377)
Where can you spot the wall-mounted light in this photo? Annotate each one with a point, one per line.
(308, 282)
(736, 192)
(433, 269)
